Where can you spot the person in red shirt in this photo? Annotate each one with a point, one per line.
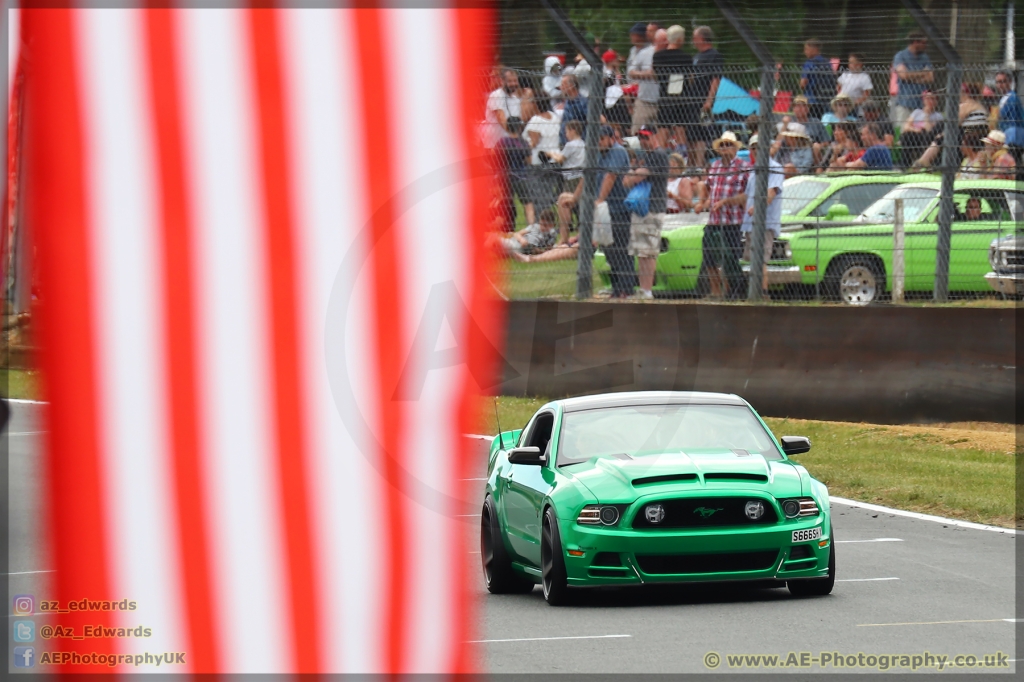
(726, 199)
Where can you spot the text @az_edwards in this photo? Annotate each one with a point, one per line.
(93, 632)
(836, 659)
(111, 660)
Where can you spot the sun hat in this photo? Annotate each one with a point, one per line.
(795, 129)
(730, 137)
(996, 138)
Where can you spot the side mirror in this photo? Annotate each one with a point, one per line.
(837, 212)
(530, 455)
(794, 445)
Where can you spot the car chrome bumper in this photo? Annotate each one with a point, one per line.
(780, 274)
(1010, 283)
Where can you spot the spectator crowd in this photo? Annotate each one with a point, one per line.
(663, 150)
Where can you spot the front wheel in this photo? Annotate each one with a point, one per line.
(499, 576)
(552, 562)
(817, 587)
(856, 280)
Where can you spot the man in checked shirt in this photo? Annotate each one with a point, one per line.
(726, 199)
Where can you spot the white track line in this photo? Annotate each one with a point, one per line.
(839, 542)
(27, 572)
(26, 433)
(20, 401)
(936, 622)
(477, 436)
(921, 517)
(546, 639)
(864, 580)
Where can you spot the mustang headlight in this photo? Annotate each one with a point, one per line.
(754, 509)
(596, 514)
(800, 506)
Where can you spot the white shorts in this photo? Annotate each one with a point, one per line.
(769, 239)
(645, 235)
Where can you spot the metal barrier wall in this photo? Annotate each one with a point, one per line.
(876, 364)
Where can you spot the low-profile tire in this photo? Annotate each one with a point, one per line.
(855, 280)
(499, 575)
(817, 587)
(552, 563)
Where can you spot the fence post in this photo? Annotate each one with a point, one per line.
(950, 145)
(898, 262)
(765, 134)
(592, 156)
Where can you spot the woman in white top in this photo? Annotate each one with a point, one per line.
(541, 131)
(920, 128)
(679, 196)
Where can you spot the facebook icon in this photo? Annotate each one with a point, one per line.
(23, 656)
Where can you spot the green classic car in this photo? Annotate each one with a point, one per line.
(651, 487)
(806, 199)
(854, 263)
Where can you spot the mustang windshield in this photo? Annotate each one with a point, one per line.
(639, 430)
(797, 193)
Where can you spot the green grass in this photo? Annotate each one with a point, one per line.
(19, 383)
(927, 470)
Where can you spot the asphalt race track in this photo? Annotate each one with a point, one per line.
(905, 586)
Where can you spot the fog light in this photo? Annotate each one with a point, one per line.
(791, 508)
(609, 516)
(754, 509)
(655, 513)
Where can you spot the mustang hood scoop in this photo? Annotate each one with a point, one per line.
(617, 478)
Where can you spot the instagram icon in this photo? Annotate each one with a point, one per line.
(24, 604)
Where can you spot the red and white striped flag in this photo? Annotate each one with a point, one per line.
(264, 324)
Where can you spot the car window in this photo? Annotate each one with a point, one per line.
(916, 204)
(1014, 206)
(798, 193)
(960, 201)
(855, 197)
(639, 430)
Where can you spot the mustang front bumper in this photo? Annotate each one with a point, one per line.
(1009, 283)
(695, 555)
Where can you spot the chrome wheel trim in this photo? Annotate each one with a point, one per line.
(487, 548)
(858, 285)
(547, 561)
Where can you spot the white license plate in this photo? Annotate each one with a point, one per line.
(807, 534)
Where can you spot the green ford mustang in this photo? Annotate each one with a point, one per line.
(854, 263)
(651, 487)
(806, 199)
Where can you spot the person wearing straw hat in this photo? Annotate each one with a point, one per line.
(773, 212)
(842, 106)
(726, 199)
(998, 163)
(793, 149)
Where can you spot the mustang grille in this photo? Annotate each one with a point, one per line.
(704, 512)
(660, 564)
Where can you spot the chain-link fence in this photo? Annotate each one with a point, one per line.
(851, 133)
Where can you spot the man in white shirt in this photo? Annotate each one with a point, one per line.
(502, 104)
(773, 215)
(854, 83)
